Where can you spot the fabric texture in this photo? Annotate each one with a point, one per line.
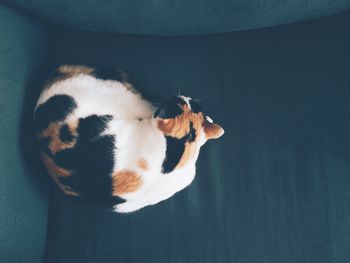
(23, 188)
(178, 17)
(274, 188)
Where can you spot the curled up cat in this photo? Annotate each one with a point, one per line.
(99, 137)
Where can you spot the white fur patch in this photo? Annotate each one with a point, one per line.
(187, 100)
(209, 119)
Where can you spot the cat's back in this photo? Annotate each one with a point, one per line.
(101, 91)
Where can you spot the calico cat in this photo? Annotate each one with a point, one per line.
(100, 138)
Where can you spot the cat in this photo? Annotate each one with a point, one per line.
(99, 137)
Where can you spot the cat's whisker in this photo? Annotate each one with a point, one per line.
(178, 91)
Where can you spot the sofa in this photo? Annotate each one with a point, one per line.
(274, 74)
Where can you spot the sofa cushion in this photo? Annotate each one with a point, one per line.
(23, 188)
(274, 188)
(178, 17)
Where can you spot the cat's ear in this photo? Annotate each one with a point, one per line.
(212, 130)
(166, 125)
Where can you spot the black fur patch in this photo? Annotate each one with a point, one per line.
(191, 137)
(106, 73)
(65, 134)
(170, 108)
(174, 151)
(195, 107)
(56, 108)
(91, 160)
(69, 181)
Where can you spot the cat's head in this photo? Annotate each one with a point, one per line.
(182, 118)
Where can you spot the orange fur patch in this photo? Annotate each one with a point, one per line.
(179, 127)
(68, 71)
(53, 168)
(142, 163)
(71, 70)
(130, 88)
(212, 130)
(126, 83)
(166, 125)
(53, 131)
(55, 171)
(126, 181)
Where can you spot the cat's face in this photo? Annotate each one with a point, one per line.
(182, 118)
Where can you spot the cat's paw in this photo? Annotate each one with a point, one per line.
(127, 207)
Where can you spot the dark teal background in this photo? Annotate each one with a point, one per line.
(177, 17)
(23, 187)
(274, 188)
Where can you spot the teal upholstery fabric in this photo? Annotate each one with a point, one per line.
(23, 188)
(178, 17)
(275, 188)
